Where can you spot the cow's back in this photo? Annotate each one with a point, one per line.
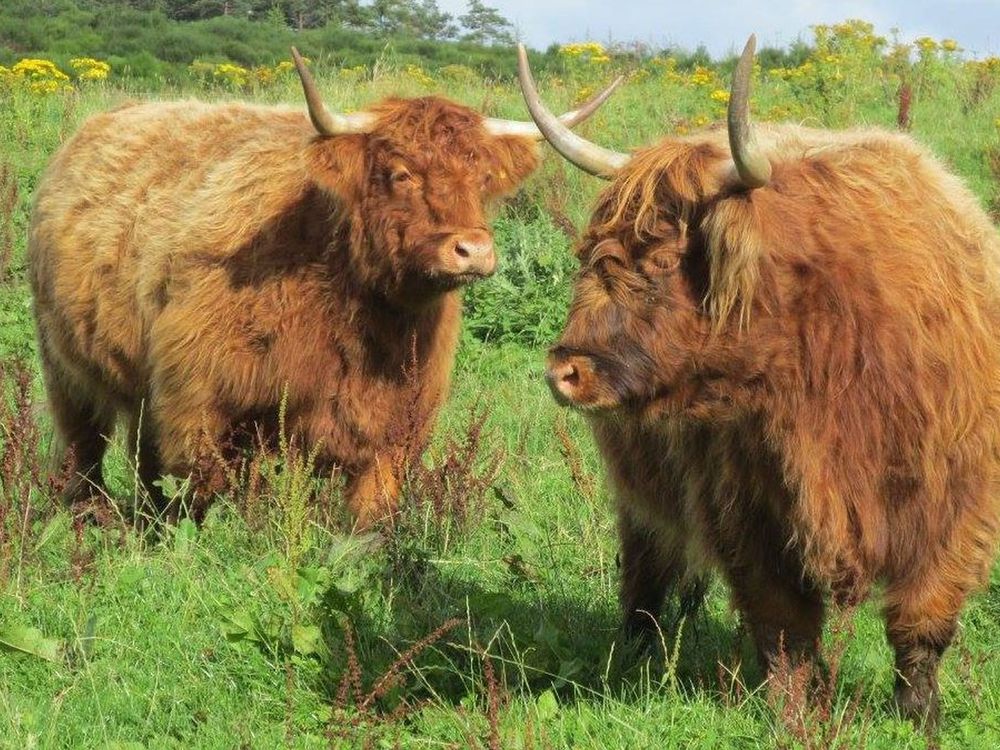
(128, 201)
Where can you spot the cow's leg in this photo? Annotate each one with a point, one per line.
(921, 620)
(372, 494)
(84, 423)
(179, 428)
(783, 610)
(650, 569)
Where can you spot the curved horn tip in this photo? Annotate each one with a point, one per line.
(590, 157)
(752, 167)
(300, 62)
(570, 119)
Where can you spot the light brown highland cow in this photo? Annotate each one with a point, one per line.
(787, 342)
(191, 263)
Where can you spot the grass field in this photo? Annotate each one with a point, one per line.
(489, 619)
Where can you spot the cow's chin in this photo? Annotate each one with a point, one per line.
(448, 282)
(426, 286)
(591, 397)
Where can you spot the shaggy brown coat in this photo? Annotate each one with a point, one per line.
(797, 384)
(191, 263)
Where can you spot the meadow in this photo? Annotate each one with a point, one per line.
(488, 617)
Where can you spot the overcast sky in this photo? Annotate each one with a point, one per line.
(724, 26)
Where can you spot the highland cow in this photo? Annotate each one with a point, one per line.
(193, 265)
(787, 344)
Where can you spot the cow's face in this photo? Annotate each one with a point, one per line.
(636, 325)
(418, 189)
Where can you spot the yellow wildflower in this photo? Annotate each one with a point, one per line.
(419, 75)
(232, 75)
(89, 69)
(592, 52)
(584, 94)
(38, 70)
(702, 76)
(720, 95)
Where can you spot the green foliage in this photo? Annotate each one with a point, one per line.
(154, 46)
(526, 300)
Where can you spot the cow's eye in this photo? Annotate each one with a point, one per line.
(401, 176)
(661, 263)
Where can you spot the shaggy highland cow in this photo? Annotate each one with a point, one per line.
(787, 343)
(191, 263)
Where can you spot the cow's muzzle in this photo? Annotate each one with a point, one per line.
(469, 255)
(576, 380)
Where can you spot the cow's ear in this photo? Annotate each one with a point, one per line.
(514, 158)
(338, 165)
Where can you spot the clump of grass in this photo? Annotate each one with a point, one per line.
(21, 480)
(357, 713)
(993, 159)
(584, 481)
(8, 204)
(443, 494)
(451, 488)
(905, 102)
(804, 696)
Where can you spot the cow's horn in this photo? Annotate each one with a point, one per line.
(752, 166)
(569, 119)
(326, 122)
(590, 157)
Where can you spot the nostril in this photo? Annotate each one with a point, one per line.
(461, 251)
(570, 376)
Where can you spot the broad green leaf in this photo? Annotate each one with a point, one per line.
(282, 583)
(239, 625)
(547, 706)
(306, 639)
(185, 535)
(30, 640)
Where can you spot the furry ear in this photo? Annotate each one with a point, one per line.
(338, 165)
(514, 158)
(734, 246)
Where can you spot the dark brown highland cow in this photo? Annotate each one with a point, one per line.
(191, 263)
(787, 342)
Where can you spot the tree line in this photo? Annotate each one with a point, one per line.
(422, 19)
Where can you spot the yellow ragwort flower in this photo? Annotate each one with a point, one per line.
(89, 69)
(38, 70)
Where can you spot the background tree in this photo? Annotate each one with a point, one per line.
(193, 10)
(430, 22)
(485, 25)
